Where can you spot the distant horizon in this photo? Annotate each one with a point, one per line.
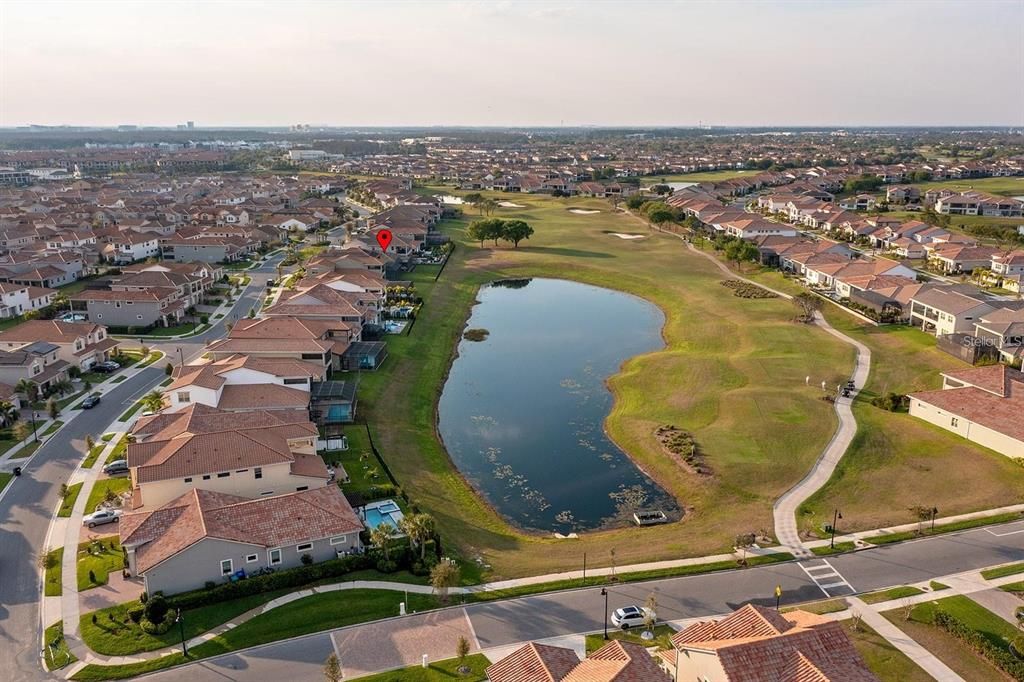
(508, 64)
(313, 127)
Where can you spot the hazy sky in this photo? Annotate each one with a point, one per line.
(512, 63)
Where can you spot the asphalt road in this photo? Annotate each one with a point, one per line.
(543, 616)
(27, 505)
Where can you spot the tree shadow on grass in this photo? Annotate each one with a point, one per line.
(562, 251)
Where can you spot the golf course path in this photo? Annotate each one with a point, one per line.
(785, 508)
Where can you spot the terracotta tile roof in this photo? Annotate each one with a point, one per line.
(203, 440)
(267, 521)
(755, 644)
(210, 374)
(265, 396)
(53, 331)
(618, 661)
(534, 663)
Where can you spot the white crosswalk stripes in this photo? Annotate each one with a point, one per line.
(827, 578)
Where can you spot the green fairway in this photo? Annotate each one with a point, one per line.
(1010, 186)
(732, 373)
(892, 446)
(701, 176)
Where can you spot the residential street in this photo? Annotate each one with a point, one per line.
(508, 622)
(27, 505)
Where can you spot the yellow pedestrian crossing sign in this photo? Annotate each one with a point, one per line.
(778, 590)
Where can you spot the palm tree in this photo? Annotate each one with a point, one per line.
(27, 388)
(153, 401)
(421, 529)
(8, 413)
(380, 538)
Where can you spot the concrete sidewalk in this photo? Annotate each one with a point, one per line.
(786, 530)
(899, 639)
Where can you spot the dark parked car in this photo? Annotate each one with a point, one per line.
(90, 402)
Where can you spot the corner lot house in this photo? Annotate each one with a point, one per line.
(80, 344)
(757, 644)
(204, 536)
(984, 405)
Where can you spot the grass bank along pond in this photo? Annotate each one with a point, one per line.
(523, 409)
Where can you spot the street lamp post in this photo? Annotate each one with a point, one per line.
(604, 593)
(35, 434)
(935, 512)
(181, 357)
(181, 629)
(835, 519)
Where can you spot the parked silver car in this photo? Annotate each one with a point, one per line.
(98, 518)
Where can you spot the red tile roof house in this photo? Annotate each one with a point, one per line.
(614, 662)
(80, 344)
(252, 454)
(984, 405)
(242, 383)
(204, 536)
(756, 644)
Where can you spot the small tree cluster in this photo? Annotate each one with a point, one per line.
(513, 231)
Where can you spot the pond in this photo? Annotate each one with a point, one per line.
(522, 411)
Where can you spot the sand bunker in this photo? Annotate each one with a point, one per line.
(582, 211)
(509, 204)
(620, 235)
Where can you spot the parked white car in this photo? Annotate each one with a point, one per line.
(632, 616)
(98, 518)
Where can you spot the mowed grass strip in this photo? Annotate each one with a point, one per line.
(737, 369)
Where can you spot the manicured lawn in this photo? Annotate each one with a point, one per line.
(101, 562)
(821, 607)
(634, 576)
(26, 451)
(890, 594)
(839, 548)
(99, 491)
(737, 369)
(127, 414)
(312, 614)
(1010, 187)
(119, 452)
(887, 662)
(56, 651)
(442, 671)
(5, 478)
(52, 583)
(936, 586)
(68, 503)
(114, 633)
(702, 176)
(1012, 569)
(93, 455)
(950, 650)
(661, 638)
(925, 530)
(892, 446)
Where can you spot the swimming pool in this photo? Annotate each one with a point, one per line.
(385, 511)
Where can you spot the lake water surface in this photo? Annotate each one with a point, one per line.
(522, 412)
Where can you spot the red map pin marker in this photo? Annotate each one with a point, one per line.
(384, 239)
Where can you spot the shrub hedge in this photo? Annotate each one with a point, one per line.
(292, 577)
(1004, 659)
